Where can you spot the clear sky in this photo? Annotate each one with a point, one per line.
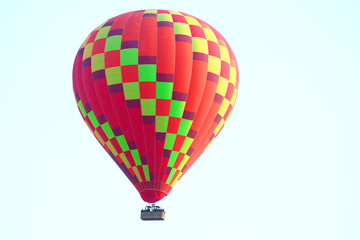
(286, 165)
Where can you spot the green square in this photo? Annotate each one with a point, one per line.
(173, 158)
(164, 17)
(148, 107)
(186, 145)
(171, 175)
(103, 32)
(146, 172)
(161, 123)
(113, 43)
(122, 142)
(184, 127)
(97, 62)
(129, 56)
(164, 90)
(108, 131)
(182, 28)
(82, 109)
(93, 119)
(147, 73)
(169, 141)
(131, 90)
(113, 75)
(136, 156)
(177, 108)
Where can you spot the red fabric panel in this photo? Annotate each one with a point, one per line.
(112, 59)
(206, 101)
(119, 21)
(165, 50)
(130, 74)
(165, 64)
(183, 67)
(162, 107)
(104, 100)
(147, 90)
(132, 25)
(147, 36)
(198, 79)
(174, 124)
(90, 91)
(99, 46)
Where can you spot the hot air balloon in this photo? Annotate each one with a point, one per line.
(155, 87)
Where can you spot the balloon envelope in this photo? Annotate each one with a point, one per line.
(155, 87)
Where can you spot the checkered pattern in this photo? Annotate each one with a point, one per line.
(155, 87)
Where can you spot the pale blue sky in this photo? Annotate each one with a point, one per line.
(286, 165)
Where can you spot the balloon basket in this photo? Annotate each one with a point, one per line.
(152, 213)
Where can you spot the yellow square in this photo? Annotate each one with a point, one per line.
(214, 65)
(210, 35)
(175, 12)
(219, 126)
(183, 162)
(222, 86)
(137, 174)
(151, 11)
(192, 21)
(224, 53)
(125, 160)
(200, 45)
(113, 75)
(97, 135)
(224, 106)
(233, 74)
(111, 147)
(88, 50)
(182, 28)
(97, 62)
